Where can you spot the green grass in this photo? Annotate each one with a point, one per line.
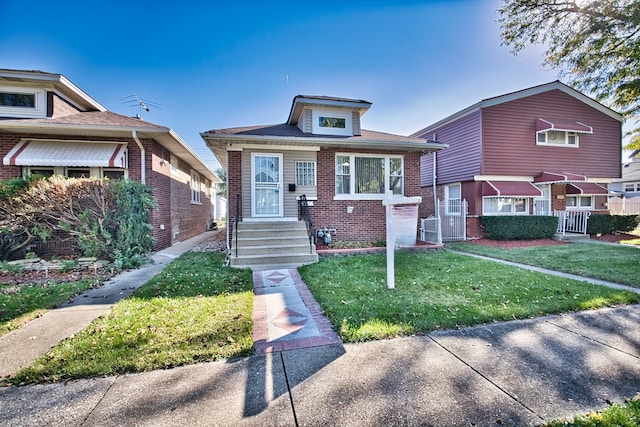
(614, 263)
(617, 415)
(194, 310)
(440, 290)
(24, 302)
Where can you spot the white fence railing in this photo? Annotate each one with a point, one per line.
(572, 221)
(430, 230)
(624, 206)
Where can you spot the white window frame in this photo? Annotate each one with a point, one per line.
(39, 110)
(195, 188)
(632, 187)
(507, 201)
(579, 206)
(542, 139)
(455, 207)
(174, 165)
(207, 189)
(333, 113)
(352, 195)
(302, 171)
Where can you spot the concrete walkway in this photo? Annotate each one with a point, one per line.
(23, 346)
(513, 373)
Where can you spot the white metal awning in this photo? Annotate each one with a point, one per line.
(37, 152)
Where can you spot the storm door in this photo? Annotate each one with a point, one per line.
(266, 182)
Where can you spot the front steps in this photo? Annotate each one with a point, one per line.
(281, 244)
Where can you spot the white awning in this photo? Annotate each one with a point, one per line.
(36, 152)
(543, 125)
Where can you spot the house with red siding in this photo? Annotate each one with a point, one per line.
(539, 151)
(49, 126)
(320, 161)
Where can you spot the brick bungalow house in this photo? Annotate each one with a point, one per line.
(320, 152)
(50, 126)
(544, 150)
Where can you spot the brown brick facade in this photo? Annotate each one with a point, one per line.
(367, 221)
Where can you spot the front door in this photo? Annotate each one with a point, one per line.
(266, 176)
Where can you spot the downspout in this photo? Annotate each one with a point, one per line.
(227, 191)
(143, 169)
(435, 196)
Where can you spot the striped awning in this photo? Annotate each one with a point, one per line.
(587, 189)
(510, 189)
(544, 125)
(36, 152)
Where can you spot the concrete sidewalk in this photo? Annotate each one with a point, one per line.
(515, 374)
(38, 336)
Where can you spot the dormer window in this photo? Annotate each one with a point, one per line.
(338, 122)
(22, 102)
(331, 122)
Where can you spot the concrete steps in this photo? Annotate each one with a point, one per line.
(571, 237)
(281, 243)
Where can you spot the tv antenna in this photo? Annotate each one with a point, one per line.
(141, 103)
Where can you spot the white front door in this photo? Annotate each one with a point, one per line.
(266, 182)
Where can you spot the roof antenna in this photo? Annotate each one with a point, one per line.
(143, 104)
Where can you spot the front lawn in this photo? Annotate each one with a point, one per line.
(194, 310)
(440, 290)
(23, 302)
(614, 263)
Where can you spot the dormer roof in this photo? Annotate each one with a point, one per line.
(57, 82)
(302, 101)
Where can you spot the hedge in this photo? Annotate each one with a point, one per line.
(608, 224)
(519, 227)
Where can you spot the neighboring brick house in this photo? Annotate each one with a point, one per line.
(320, 152)
(539, 150)
(50, 126)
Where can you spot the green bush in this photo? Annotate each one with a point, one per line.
(519, 227)
(608, 224)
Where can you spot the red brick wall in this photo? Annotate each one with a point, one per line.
(367, 222)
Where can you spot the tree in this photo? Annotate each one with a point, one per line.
(222, 174)
(594, 43)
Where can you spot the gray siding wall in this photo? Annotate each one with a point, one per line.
(510, 138)
(288, 158)
(356, 123)
(462, 159)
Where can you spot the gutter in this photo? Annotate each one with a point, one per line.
(143, 169)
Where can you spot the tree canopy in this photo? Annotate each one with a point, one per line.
(594, 43)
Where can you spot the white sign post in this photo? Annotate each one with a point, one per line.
(402, 228)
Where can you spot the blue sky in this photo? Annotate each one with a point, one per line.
(224, 64)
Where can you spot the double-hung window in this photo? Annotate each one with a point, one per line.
(195, 187)
(368, 176)
(453, 199)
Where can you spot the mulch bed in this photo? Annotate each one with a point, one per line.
(611, 238)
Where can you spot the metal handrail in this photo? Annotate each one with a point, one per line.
(235, 221)
(305, 215)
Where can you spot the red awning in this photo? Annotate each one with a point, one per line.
(555, 177)
(510, 189)
(543, 125)
(587, 189)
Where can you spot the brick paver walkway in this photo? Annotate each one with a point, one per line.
(285, 314)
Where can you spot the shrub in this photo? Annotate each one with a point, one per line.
(608, 224)
(517, 227)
